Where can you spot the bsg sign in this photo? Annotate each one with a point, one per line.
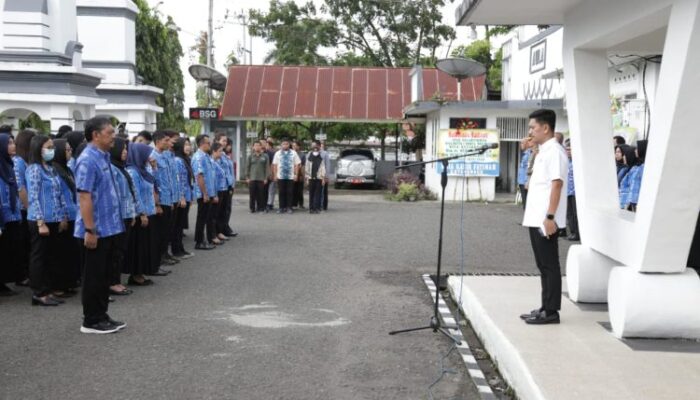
(204, 113)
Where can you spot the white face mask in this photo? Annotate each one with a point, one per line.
(48, 154)
(315, 152)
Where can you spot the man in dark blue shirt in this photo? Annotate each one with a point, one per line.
(99, 225)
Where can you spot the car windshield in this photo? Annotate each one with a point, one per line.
(357, 155)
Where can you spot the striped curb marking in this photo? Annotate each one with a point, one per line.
(465, 352)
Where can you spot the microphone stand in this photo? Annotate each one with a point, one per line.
(435, 323)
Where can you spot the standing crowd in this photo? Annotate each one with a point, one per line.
(287, 170)
(79, 210)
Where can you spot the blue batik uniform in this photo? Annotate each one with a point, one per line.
(626, 187)
(7, 214)
(227, 166)
(175, 183)
(202, 164)
(145, 202)
(636, 184)
(621, 173)
(93, 174)
(163, 177)
(20, 167)
(127, 203)
(221, 181)
(522, 168)
(571, 190)
(46, 202)
(183, 178)
(71, 198)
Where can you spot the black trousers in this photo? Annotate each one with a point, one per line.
(120, 258)
(68, 272)
(23, 248)
(286, 192)
(202, 219)
(43, 262)
(298, 197)
(266, 191)
(97, 269)
(315, 194)
(219, 218)
(547, 259)
(258, 196)
(324, 189)
(223, 214)
(10, 270)
(181, 216)
(523, 193)
(164, 227)
(572, 216)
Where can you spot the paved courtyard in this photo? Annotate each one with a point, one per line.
(296, 307)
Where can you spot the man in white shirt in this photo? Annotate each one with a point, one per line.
(545, 213)
(285, 171)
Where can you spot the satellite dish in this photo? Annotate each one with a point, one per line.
(205, 73)
(461, 68)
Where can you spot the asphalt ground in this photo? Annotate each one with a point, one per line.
(296, 307)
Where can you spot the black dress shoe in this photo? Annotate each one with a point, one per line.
(47, 301)
(203, 246)
(574, 238)
(161, 272)
(231, 234)
(531, 314)
(543, 319)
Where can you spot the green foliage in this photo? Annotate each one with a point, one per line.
(365, 32)
(480, 50)
(298, 33)
(404, 186)
(35, 122)
(158, 53)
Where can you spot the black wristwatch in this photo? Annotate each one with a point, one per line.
(550, 216)
(91, 231)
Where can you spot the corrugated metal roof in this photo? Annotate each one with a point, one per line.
(270, 92)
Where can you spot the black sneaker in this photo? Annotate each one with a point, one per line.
(100, 328)
(120, 325)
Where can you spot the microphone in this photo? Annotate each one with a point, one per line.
(488, 146)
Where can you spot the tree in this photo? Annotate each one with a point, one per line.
(390, 33)
(158, 53)
(298, 33)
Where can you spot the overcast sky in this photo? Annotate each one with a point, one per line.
(191, 17)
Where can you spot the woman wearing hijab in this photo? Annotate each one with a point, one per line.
(636, 175)
(75, 139)
(625, 175)
(10, 216)
(143, 257)
(129, 209)
(182, 148)
(66, 278)
(21, 158)
(48, 217)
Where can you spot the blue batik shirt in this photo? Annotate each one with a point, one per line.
(6, 213)
(522, 168)
(221, 181)
(626, 187)
(163, 179)
(71, 199)
(571, 190)
(636, 184)
(174, 177)
(46, 200)
(20, 174)
(128, 205)
(93, 174)
(145, 202)
(202, 164)
(183, 177)
(227, 165)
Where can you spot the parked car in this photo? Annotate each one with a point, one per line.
(356, 167)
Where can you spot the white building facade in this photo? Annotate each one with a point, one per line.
(67, 60)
